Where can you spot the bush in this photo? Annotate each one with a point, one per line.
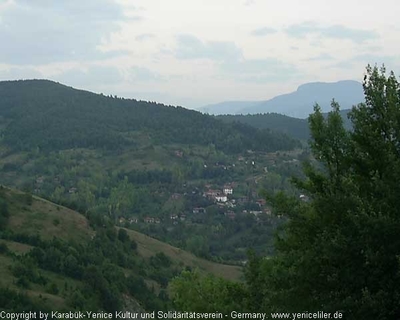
(52, 288)
(4, 248)
(123, 235)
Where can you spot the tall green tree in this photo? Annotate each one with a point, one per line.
(196, 293)
(341, 250)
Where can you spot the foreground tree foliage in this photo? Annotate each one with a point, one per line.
(340, 251)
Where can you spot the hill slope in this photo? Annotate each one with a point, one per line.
(51, 116)
(60, 260)
(299, 103)
(293, 127)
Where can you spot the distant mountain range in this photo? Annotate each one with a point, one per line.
(298, 104)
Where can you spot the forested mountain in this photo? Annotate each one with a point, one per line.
(157, 169)
(298, 103)
(50, 116)
(293, 127)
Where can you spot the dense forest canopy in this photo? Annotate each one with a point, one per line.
(293, 127)
(51, 116)
(339, 251)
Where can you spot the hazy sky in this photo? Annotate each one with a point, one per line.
(195, 52)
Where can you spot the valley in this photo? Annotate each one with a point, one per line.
(150, 182)
(147, 199)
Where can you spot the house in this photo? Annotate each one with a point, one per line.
(230, 204)
(72, 190)
(267, 211)
(304, 198)
(176, 196)
(157, 220)
(182, 217)
(122, 220)
(221, 198)
(228, 189)
(212, 193)
(39, 180)
(173, 217)
(255, 213)
(261, 202)
(149, 220)
(199, 210)
(133, 220)
(179, 153)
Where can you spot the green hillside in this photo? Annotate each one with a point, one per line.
(55, 258)
(50, 116)
(293, 127)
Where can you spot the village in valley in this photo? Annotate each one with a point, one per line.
(230, 199)
(197, 198)
(223, 198)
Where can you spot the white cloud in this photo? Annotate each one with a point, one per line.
(95, 74)
(336, 31)
(199, 51)
(145, 36)
(17, 73)
(44, 31)
(263, 31)
(321, 57)
(191, 47)
(141, 74)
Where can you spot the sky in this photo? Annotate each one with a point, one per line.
(196, 52)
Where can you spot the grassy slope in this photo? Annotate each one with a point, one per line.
(148, 246)
(40, 218)
(47, 219)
